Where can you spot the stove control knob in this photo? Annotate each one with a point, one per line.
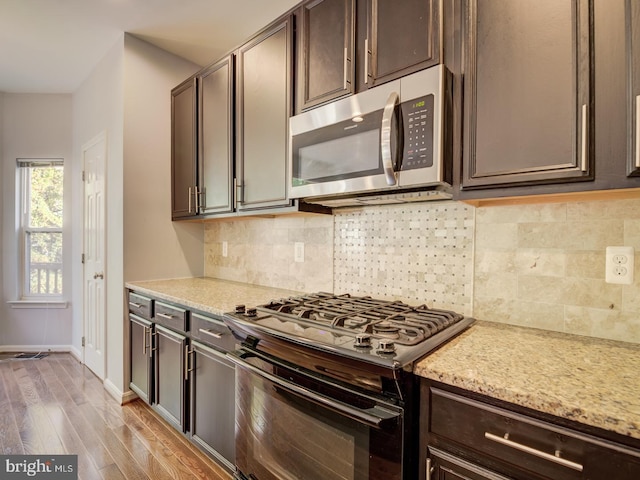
(386, 346)
(240, 308)
(363, 340)
(251, 312)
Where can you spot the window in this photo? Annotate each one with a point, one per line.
(41, 194)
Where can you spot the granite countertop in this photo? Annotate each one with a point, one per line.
(592, 381)
(209, 295)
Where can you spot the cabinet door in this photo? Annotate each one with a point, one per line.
(402, 38)
(213, 403)
(527, 92)
(183, 149)
(326, 38)
(264, 106)
(170, 376)
(140, 350)
(216, 138)
(633, 59)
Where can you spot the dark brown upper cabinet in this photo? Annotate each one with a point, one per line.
(326, 36)
(401, 38)
(346, 46)
(527, 92)
(263, 108)
(633, 102)
(216, 128)
(183, 149)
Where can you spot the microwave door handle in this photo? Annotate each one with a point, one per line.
(385, 138)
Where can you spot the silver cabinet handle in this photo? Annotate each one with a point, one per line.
(202, 199)
(366, 61)
(186, 361)
(239, 191)
(537, 453)
(98, 275)
(584, 139)
(164, 315)
(429, 469)
(344, 84)
(210, 332)
(638, 131)
(144, 341)
(385, 138)
(190, 188)
(135, 305)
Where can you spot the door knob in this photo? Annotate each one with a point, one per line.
(98, 275)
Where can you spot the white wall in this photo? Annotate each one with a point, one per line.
(98, 106)
(154, 246)
(33, 125)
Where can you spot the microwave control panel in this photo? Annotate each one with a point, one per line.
(417, 123)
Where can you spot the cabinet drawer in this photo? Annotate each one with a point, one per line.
(141, 305)
(535, 447)
(171, 316)
(212, 331)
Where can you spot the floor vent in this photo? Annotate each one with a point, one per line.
(22, 356)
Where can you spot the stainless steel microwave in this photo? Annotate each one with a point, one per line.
(384, 140)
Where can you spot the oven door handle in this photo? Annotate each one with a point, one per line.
(373, 417)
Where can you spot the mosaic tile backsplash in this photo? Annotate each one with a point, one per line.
(540, 265)
(420, 253)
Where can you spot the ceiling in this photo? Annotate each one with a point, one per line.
(51, 46)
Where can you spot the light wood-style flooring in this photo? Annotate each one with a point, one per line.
(54, 405)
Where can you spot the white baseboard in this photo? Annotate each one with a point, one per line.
(36, 348)
(120, 396)
(77, 354)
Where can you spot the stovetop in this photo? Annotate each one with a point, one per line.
(388, 333)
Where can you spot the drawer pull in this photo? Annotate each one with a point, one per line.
(523, 448)
(164, 315)
(210, 332)
(135, 305)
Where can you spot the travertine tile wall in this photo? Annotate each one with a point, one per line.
(261, 251)
(544, 266)
(535, 265)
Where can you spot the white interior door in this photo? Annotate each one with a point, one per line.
(94, 163)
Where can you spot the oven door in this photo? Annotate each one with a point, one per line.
(290, 425)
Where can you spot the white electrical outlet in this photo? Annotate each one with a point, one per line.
(298, 252)
(225, 249)
(619, 268)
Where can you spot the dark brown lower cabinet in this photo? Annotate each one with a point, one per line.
(444, 466)
(471, 436)
(212, 403)
(141, 335)
(171, 376)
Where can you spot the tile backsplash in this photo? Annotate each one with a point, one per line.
(543, 266)
(538, 265)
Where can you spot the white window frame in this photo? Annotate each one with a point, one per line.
(26, 230)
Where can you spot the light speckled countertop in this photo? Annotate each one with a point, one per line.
(591, 381)
(209, 294)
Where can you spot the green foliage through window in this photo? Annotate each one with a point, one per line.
(42, 183)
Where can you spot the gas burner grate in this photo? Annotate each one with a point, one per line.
(407, 325)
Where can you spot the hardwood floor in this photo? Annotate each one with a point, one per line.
(54, 405)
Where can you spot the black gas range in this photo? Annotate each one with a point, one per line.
(339, 369)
